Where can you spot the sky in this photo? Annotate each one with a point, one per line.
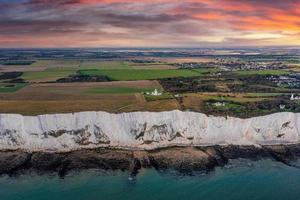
(148, 23)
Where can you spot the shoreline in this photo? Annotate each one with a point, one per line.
(184, 141)
(185, 160)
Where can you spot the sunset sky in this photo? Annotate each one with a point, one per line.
(149, 23)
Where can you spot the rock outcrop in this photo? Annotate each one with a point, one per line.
(185, 160)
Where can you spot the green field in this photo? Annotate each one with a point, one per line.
(47, 75)
(264, 94)
(164, 96)
(143, 74)
(232, 106)
(262, 72)
(11, 87)
(206, 70)
(104, 65)
(119, 90)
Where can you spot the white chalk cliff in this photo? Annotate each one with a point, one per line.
(146, 130)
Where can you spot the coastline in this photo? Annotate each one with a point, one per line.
(185, 160)
(184, 141)
(143, 130)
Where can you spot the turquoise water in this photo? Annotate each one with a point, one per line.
(257, 180)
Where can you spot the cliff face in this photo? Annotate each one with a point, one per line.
(145, 130)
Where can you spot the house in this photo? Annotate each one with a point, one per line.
(282, 106)
(217, 104)
(293, 97)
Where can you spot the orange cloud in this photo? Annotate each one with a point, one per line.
(146, 22)
(208, 16)
(121, 1)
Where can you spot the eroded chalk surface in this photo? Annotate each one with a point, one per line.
(144, 130)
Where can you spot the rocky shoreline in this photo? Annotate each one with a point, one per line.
(184, 160)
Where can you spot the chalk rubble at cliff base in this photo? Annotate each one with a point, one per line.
(143, 130)
(186, 160)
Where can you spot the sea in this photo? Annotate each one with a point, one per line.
(240, 180)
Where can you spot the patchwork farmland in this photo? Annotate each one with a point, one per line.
(214, 85)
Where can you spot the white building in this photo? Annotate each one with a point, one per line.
(282, 106)
(218, 104)
(293, 97)
(156, 93)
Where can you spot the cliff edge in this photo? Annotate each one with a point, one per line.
(143, 130)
